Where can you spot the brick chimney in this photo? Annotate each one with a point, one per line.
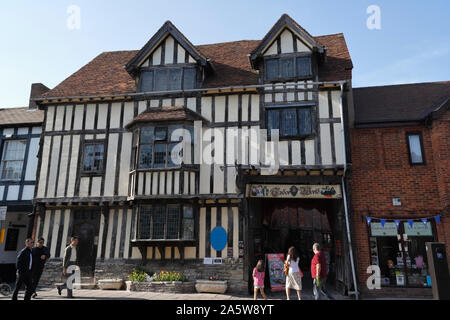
(37, 89)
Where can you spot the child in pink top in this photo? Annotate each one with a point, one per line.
(258, 279)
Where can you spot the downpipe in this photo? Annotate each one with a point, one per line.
(344, 195)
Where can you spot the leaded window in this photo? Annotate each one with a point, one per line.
(168, 79)
(291, 122)
(285, 68)
(12, 159)
(93, 157)
(166, 222)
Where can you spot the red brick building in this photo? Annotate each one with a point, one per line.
(400, 159)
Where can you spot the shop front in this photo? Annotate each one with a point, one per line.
(398, 248)
(286, 215)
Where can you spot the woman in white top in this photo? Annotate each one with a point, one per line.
(293, 279)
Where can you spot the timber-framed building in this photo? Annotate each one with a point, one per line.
(106, 173)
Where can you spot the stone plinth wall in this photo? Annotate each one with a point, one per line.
(231, 270)
(167, 287)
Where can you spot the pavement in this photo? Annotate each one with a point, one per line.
(86, 294)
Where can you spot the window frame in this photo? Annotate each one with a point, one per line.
(297, 107)
(166, 206)
(155, 69)
(3, 150)
(84, 173)
(293, 56)
(422, 149)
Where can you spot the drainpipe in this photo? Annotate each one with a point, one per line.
(344, 194)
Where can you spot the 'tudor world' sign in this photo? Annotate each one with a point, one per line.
(294, 191)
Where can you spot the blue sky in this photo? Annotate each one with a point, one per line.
(36, 45)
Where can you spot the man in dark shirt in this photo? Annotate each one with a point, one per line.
(40, 255)
(319, 273)
(24, 264)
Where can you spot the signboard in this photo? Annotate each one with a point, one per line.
(389, 229)
(3, 213)
(275, 263)
(294, 191)
(418, 229)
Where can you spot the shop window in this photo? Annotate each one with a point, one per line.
(292, 122)
(12, 159)
(93, 157)
(166, 222)
(167, 79)
(400, 253)
(415, 146)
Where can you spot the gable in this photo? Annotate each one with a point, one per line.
(168, 52)
(286, 41)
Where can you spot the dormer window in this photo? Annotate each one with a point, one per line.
(167, 79)
(288, 68)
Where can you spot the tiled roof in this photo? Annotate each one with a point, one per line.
(105, 74)
(172, 113)
(13, 116)
(407, 102)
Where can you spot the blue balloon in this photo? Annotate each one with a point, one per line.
(218, 238)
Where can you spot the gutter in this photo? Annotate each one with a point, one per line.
(344, 194)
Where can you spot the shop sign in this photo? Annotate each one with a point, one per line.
(294, 191)
(388, 230)
(418, 229)
(275, 264)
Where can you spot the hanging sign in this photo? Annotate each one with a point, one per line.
(388, 230)
(418, 229)
(275, 264)
(294, 191)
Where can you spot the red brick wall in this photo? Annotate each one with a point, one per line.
(381, 171)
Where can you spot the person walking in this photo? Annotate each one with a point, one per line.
(70, 258)
(319, 273)
(24, 265)
(294, 276)
(40, 256)
(258, 279)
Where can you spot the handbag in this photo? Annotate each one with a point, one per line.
(286, 268)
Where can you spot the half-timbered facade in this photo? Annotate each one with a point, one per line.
(20, 132)
(144, 153)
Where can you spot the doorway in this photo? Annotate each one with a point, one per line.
(85, 227)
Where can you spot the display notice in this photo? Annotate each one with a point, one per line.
(275, 264)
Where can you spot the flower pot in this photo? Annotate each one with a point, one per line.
(110, 284)
(211, 286)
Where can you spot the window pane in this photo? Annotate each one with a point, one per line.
(303, 67)
(304, 121)
(173, 222)
(174, 79)
(159, 222)
(189, 78)
(272, 69)
(147, 134)
(147, 81)
(178, 133)
(12, 162)
(174, 161)
(93, 158)
(160, 155)
(273, 120)
(15, 150)
(161, 134)
(287, 68)
(288, 122)
(145, 156)
(415, 149)
(188, 223)
(145, 222)
(161, 80)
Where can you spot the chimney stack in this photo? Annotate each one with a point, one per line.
(37, 89)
